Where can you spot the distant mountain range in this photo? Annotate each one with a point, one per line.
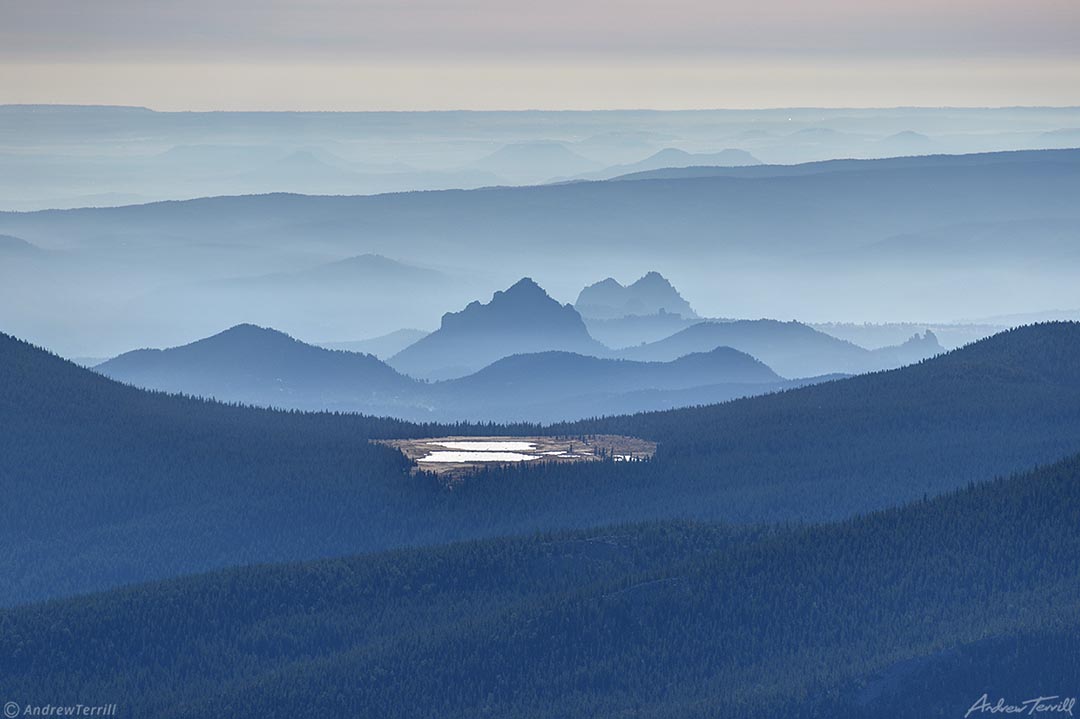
(791, 348)
(716, 229)
(913, 162)
(521, 357)
(651, 294)
(64, 154)
(890, 334)
(674, 157)
(263, 367)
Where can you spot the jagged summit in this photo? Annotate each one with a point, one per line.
(523, 304)
(649, 295)
(525, 284)
(524, 290)
(520, 319)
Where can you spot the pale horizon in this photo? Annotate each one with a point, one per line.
(363, 88)
(590, 54)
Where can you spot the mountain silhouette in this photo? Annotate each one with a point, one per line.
(534, 162)
(650, 295)
(791, 348)
(838, 207)
(259, 366)
(561, 386)
(266, 368)
(566, 373)
(924, 163)
(918, 347)
(906, 143)
(522, 319)
(11, 246)
(674, 157)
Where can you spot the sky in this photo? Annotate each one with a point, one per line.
(509, 54)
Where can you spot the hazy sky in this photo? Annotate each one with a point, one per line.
(417, 54)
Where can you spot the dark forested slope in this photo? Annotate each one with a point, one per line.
(912, 612)
(104, 484)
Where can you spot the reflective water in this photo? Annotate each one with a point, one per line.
(461, 456)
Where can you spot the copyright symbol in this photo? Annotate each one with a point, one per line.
(11, 710)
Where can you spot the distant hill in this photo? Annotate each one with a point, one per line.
(383, 346)
(534, 162)
(264, 367)
(11, 246)
(908, 613)
(522, 319)
(362, 275)
(674, 157)
(923, 162)
(651, 294)
(791, 348)
(906, 143)
(560, 374)
(552, 386)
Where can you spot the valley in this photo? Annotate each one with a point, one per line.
(537, 414)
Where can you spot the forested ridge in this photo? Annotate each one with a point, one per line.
(908, 612)
(106, 485)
